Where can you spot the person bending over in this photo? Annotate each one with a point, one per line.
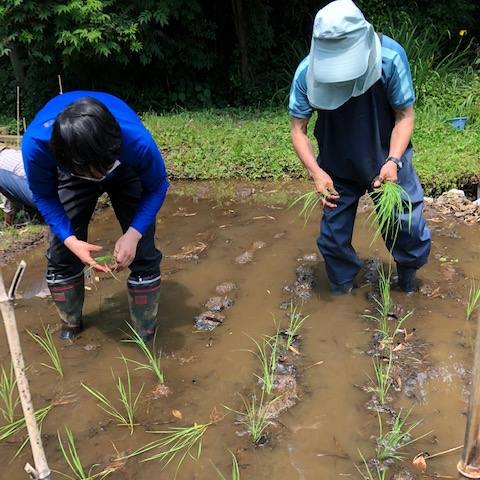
(79, 145)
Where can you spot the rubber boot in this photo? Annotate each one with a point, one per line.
(407, 279)
(342, 289)
(68, 295)
(143, 297)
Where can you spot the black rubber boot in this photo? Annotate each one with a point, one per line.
(343, 289)
(68, 295)
(407, 279)
(143, 297)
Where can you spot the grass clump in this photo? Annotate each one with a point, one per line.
(177, 442)
(267, 354)
(473, 300)
(235, 475)
(17, 426)
(72, 459)
(48, 345)
(8, 397)
(382, 382)
(370, 474)
(129, 401)
(309, 202)
(399, 436)
(391, 204)
(152, 364)
(295, 323)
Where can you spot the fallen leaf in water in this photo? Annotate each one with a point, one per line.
(294, 350)
(398, 381)
(399, 347)
(177, 414)
(263, 217)
(216, 416)
(420, 463)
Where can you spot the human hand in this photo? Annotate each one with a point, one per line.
(83, 251)
(324, 186)
(126, 247)
(388, 173)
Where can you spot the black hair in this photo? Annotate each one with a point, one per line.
(86, 138)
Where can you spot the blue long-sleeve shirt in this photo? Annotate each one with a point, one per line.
(138, 151)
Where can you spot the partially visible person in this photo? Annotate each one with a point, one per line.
(79, 145)
(15, 193)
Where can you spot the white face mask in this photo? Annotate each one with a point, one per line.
(102, 178)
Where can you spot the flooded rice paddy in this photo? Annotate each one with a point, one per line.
(234, 257)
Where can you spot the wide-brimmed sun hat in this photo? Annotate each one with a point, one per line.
(345, 57)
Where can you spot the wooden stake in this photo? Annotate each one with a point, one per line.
(41, 471)
(18, 116)
(60, 87)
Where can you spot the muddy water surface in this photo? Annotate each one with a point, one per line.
(204, 232)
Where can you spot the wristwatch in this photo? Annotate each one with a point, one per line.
(396, 161)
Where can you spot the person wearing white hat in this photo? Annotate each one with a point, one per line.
(360, 85)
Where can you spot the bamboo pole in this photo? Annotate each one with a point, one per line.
(60, 86)
(41, 471)
(469, 465)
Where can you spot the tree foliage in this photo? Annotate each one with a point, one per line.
(163, 53)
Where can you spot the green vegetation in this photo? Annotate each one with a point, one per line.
(295, 323)
(126, 397)
(72, 458)
(17, 426)
(383, 381)
(267, 354)
(48, 345)
(235, 469)
(309, 202)
(473, 300)
(176, 441)
(370, 474)
(153, 358)
(8, 397)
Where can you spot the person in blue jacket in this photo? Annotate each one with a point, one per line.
(359, 84)
(79, 145)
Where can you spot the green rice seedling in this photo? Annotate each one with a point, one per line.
(18, 425)
(153, 359)
(309, 201)
(399, 436)
(177, 442)
(72, 459)
(8, 397)
(126, 397)
(383, 381)
(391, 201)
(48, 345)
(378, 474)
(255, 416)
(473, 299)
(296, 321)
(267, 353)
(235, 469)
(107, 260)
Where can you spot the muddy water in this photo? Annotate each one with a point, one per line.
(318, 438)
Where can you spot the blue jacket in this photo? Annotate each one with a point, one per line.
(138, 151)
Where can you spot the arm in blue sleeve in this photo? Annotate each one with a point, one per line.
(298, 104)
(400, 90)
(153, 175)
(42, 178)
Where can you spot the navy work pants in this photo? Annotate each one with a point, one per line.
(411, 248)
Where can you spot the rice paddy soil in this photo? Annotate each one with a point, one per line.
(235, 256)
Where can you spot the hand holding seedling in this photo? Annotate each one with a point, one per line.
(324, 186)
(126, 247)
(388, 173)
(83, 251)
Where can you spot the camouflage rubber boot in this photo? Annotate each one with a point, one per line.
(68, 295)
(143, 297)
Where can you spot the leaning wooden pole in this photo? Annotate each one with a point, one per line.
(41, 471)
(469, 465)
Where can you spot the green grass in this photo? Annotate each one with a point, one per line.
(267, 354)
(235, 475)
(382, 381)
(255, 144)
(129, 402)
(8, 396)
(153, 364)
(473, 300)
(177, 442)
(48, 345)
(392, 204)
(369, 473)
(72, 459)
(17, 426)
(399, 436)
(295, 323)
(309, 202)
